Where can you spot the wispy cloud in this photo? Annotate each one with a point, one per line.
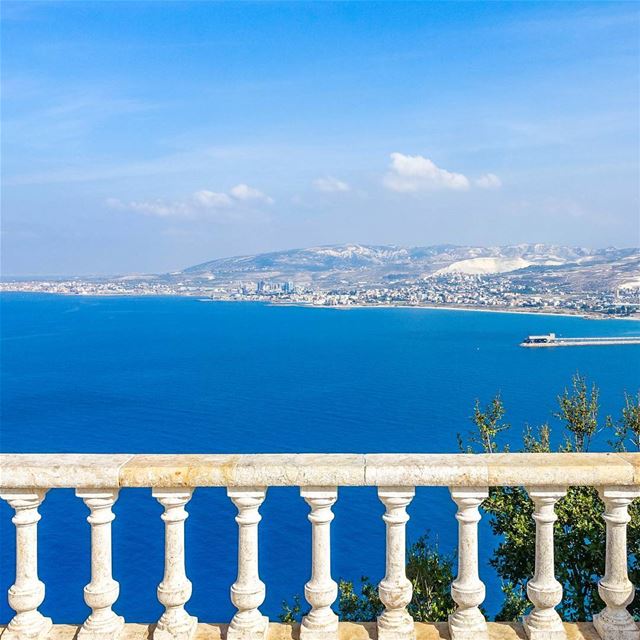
(246, 193)
(206, 199)
(331, 185)
(183, 162)
(488, 181)
(67, 118)
(158, 208)
(203, 203)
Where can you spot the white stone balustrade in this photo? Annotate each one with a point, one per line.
(467, 590)
(248, 591)
(396, 589)
(25, 478)
(175, 589)
(102, 592)
(615, 588)
(27, 593)
(321, 623)
(544, 591)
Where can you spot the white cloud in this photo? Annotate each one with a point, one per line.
(199, 204)
(417, 173)
(211, 199)
(158, 208)
(331, 185)
(488, 181)
(245, 192)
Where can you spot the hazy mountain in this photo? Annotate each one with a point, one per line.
(354, 264)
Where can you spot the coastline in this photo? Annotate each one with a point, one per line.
(587, 315)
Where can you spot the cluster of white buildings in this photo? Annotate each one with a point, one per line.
(497, 292)
(450, 290)
(91, 288)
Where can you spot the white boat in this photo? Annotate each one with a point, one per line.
(551, 340)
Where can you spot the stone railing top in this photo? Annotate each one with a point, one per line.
(225, 470)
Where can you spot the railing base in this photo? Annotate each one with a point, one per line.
(260, 632)
(614, 629)
(330, 633)
(347, 631)
(40, 634)
(478, 631)
(186, 631)
(114, 630)
(556, 633)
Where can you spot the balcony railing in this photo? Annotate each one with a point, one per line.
(97, 479)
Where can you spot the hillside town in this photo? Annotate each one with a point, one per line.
(497, 292)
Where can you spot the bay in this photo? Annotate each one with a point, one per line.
(182, 375)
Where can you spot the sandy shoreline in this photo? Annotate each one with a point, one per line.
(345, 307)
(567, 314)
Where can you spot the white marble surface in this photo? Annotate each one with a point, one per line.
(49, 471)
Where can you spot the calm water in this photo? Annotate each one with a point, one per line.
(182, 375)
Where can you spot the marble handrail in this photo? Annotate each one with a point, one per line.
(98, 479)
(51, 471)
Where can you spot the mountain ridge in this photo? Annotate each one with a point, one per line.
(354, 264)
(350, 249)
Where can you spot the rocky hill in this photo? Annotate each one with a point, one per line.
(575, 268)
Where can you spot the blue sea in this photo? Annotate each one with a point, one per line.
(158, 375)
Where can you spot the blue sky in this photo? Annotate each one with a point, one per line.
(149, 136)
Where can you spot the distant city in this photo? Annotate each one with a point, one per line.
(534, 278)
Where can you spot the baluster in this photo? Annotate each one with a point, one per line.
(321, 591)
(615, 588)
(544, 591)
(27, 593)
(248, 591)
(395, 589)
(102, 592)
(467, 590)
(175, 589)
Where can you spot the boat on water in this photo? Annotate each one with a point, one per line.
(551, 340)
